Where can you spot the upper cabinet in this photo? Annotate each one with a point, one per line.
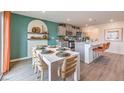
(62, 29)
(68, 30)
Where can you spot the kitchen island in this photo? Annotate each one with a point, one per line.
(87, 55)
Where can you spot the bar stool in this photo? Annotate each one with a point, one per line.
(101, 50)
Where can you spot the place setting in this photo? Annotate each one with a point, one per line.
(61, 52)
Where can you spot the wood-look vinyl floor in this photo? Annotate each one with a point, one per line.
(109, 67)
(20, 71)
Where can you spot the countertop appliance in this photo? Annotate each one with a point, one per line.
(71, 44)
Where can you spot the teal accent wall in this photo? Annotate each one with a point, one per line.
(19, 25)
(52, 29)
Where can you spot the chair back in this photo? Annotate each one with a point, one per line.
(68, 67)
(106, 45)
(33, 53)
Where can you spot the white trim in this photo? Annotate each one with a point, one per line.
(115, 52)
(19, 59)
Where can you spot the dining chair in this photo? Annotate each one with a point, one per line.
(34, 59)
(38, 65)
(68, 67)
(41, 66)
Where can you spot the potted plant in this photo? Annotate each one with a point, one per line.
(87, 39)
(61, 37)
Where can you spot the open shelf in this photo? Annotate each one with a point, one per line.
(36, 33)
(37, 39)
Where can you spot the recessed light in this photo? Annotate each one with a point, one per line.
(68, 19)
(43, 11)
(111, 20)
(90, 19)
(86, 25)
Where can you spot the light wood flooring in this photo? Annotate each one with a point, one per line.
(21, 70)
(109, 67)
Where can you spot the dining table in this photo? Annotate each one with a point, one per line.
(53, 62)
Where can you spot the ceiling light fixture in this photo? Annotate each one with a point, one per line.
(90, 19)
(111, 20)
(68, 19)
(43, 11)
(86, 25)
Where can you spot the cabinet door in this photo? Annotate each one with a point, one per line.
(74, 32)
(62, 30)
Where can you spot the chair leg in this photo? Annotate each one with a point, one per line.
(41, 75)
(33, 66)
(38, 74)
(64, 79)
(94, 54)
(35, 69)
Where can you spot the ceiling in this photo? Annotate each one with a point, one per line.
(78, 18)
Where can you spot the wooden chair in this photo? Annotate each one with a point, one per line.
(41, 67)
(68, 67)
(38, 65)
(34, 60)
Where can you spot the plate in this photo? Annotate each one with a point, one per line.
(61, 49)
(62, 54)
(46, 51)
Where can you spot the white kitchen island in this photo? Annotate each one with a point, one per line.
(87, 55)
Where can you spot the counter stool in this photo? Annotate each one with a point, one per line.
(101, 50)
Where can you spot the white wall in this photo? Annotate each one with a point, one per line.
(97, 31)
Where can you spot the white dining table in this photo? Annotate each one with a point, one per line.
(54, 61)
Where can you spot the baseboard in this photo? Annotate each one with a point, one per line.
(19, 59)
(114, 52)
(1, 75)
